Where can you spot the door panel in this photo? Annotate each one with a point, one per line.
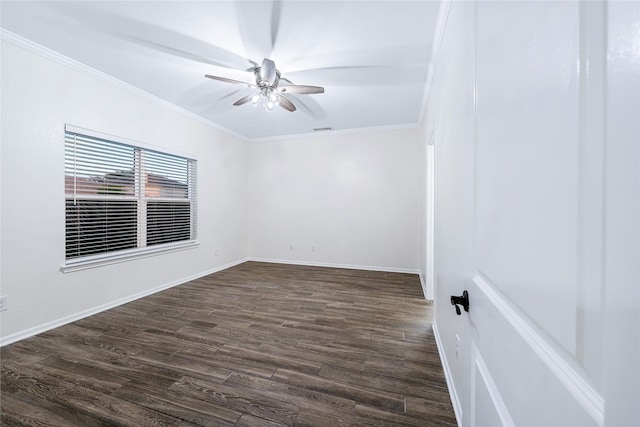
(537, 207)
(522, 169)
(536, 383)
(526, 164)
(484, 410)
(529, 180)
(488, 407)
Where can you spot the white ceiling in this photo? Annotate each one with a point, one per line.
(372, 57)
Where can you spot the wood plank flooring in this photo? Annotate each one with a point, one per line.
(255, 345)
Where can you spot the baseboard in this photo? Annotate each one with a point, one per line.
(332, 265)
(455, 400)
(18, 336)
(423, 284)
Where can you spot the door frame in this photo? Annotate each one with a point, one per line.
(430, 273)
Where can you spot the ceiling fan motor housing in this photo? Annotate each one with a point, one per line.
(266, 75)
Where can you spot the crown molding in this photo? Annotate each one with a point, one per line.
(385, 128)
(61, 59)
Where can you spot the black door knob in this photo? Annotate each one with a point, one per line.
(462, 300)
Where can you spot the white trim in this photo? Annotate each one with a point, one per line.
(430, 217)
(384, 128)
(95, 310)
(492, 389)
(61, 59)
(441, 24)
(332, 265)
(102, 260)
(423, 284)
(455, 401)
(590, 400)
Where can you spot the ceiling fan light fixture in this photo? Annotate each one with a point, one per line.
(270, 104)
(267, 97)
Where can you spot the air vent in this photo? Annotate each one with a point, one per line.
(322, 129)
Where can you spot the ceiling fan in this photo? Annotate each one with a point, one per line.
(269, 93)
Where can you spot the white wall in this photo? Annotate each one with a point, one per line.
(40, 96)
(355, 197)
(446, 118)
(358, 198)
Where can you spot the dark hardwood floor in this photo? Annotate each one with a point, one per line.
(255, 345)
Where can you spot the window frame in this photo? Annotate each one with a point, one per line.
(124, 255)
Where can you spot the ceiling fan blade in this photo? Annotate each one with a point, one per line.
(285, 103)
(243, 100)
(361, 75)
(229, 94)
(258, 23)
(226, 80)
(207, 54)
(276, 12)
(150, 36)
(306, 104)
(309, 106)
(301, 89)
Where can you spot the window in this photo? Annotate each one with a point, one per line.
(121, 199)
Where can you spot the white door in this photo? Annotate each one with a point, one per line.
(535, 171)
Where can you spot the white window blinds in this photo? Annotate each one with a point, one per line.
(120, 197)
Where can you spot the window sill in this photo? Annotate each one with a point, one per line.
(95, 262)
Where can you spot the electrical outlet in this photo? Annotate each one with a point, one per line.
(457, 346)
(3, 303)
(290, 247)
(215, 252)
(313, 248)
